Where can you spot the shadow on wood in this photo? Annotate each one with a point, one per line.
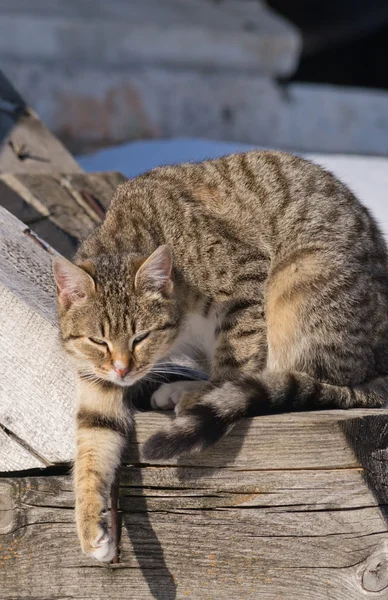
(162, 586)
(368, 437)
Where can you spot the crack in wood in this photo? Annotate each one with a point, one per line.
(50, 471)
(25, 445)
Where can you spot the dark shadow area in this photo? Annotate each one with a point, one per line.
(222, 455)
(368, 438)
(140, 395)
(53, 471)
(343, 42)
(12, 107)
(146, 545)
(358, 63)
(145, 542)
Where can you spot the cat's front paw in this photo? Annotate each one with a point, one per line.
(93, 535)
(169, 395)
(100, 546)
(104, 549)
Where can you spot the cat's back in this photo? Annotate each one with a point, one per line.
(267, 199)
(263, 181)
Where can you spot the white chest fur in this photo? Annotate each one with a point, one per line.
(197, 336)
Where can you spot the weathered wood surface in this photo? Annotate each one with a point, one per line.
(26, 145)
(61, 208)
(279, 510)
(36, 384)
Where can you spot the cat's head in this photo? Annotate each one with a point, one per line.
(118, 315)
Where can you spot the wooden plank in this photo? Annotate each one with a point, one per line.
(202, 532)
(37, 385)
(296, 440)
(61, 208)
(25, 143)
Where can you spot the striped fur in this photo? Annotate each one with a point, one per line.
(102, 426)
(212, 416)
(262, 265)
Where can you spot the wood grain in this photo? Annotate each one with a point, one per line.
(99, 185)
(14, 456)
(290, 441)
(204, 533)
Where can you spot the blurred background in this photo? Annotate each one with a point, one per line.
(294, 74)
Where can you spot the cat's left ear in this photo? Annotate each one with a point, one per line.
(155, 274)
(74, 283)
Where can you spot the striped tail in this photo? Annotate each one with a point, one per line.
(229, 403)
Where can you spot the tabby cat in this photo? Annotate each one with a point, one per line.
(262, 262)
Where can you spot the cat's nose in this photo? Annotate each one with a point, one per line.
(121, 370)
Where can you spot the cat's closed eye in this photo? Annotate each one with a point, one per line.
(98, 341)
(139, 338)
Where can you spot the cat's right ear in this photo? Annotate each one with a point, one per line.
(155, 274)
(74, 285)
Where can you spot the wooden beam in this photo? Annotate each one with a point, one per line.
(61, 208)
(52, 195)
(26, 145)
(256, 517)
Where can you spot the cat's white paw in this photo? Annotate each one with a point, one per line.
(169, 394)
(104, 548)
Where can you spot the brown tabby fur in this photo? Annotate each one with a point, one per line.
(280, 258)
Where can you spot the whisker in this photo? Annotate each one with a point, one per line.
(89, 376)
(195, 375)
